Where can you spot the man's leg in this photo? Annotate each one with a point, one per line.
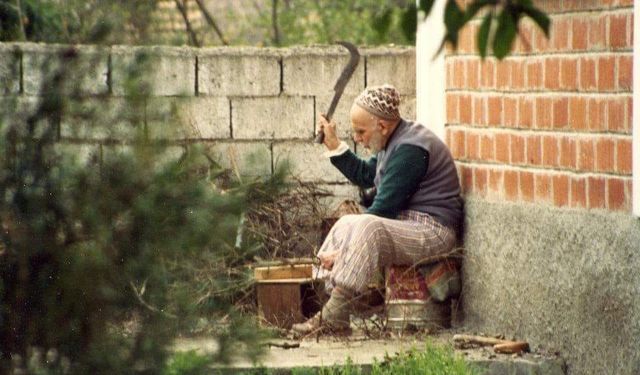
(375, 242)
(365, 244)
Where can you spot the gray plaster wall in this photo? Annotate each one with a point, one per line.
(254, 107)
(565, 280)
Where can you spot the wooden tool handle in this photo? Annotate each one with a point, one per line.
(499, 345)
(479, 340)
(511, 347)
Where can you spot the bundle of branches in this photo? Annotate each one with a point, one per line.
(288, 225)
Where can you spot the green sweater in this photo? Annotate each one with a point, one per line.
(403, 173)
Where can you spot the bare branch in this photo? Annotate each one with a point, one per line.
(139, 293)
(274, 23)
(211, 22)
(23, 34)
(182, 7)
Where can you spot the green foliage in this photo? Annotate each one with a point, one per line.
(425, 5)
(77, 21)
(349, 368)
(433, 360)
(505, 34)
(410, 22)
(38, 18)
(275, 22)
(499, 26)
(483, 35)
(454, 20)
(188, 363)
(95, 249)
(326, 21)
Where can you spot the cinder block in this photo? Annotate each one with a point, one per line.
(339, 193)
(103, 118)
(86, 68)
(168, 71)
(396, 66)
(408, 107)
(17, 108)
(314, 71)
(9, 69)
(163, 158)
(239, 72)
(165, 155)
(82, 154)
(188, 118)
(281, 117)
(245, 158)
(112, 151)
(342, 114)
(307, 162)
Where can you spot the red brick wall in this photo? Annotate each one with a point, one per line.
(550, 124)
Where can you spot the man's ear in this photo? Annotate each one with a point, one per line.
(383, 126)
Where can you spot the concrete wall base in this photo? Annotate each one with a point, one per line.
(565, 280)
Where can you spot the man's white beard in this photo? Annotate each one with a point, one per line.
(375, 143)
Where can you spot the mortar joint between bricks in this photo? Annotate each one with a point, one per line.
(540, 94)
(539, 132)
(532, 168)
(542, 55)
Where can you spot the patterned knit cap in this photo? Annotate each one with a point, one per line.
(382, 101)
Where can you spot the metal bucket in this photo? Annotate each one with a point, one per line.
(408, 304)
(418, 314)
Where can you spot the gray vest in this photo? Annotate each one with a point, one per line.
(439, 191)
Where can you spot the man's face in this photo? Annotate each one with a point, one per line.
(366, 130)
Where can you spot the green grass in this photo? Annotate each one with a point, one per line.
(431, 360)
(187, 363)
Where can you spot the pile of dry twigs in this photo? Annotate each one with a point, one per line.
(288, 225)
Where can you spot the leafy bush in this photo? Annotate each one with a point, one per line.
(325, 21)
(77, 21)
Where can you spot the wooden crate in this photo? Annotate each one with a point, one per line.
(281, 272)
(287, 294)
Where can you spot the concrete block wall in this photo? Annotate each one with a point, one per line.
(253, 107)
(550, 124)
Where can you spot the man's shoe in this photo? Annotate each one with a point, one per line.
(334, 317)
(313, 325)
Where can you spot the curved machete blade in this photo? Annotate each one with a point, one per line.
(344, 78)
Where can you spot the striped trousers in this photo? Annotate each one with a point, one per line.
(366, 243)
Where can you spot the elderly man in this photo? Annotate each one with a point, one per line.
(414, 216)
